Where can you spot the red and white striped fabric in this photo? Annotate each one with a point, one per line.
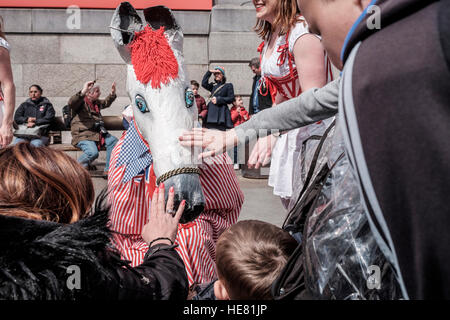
(131, 201)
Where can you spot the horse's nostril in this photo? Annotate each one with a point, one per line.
(187, 187)
(191, 212)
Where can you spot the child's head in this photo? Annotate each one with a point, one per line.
(194, 86)
(238, 102)
(332, 20)
(250, 256)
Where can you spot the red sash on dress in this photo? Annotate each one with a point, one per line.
(286, 85)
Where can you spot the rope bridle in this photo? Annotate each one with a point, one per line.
(175, 172)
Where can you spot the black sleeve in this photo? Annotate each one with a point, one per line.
(205, 84)
(250, 105)
(161, 276)
(19, 115)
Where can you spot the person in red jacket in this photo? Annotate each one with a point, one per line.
(238, 115)
(200, 101)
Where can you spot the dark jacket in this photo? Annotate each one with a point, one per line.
(39, 261)
(219, 113)
(83, 119)
(400, 89)
(204, 291)
(43, 111)
(265, 101)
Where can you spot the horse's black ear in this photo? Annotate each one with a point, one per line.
(124, 23)
(160, 16)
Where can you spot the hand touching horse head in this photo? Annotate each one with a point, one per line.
(163, 104)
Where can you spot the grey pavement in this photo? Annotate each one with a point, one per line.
(259, 201)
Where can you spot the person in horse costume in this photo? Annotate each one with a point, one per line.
(163, 107)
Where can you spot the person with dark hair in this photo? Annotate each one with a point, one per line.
(35, 111)
(47, 232)
(7, 91)
(222, 94)
(258, 101)
(200, 101)
(250, 256)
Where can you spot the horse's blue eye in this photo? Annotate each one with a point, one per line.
(141, 104)
(189, 95)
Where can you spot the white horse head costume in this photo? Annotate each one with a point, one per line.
(163, 104)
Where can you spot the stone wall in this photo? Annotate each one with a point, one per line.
(46, 52)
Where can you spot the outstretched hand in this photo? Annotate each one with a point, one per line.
(87, 86)
(162, 223)
(213, 142)
(262, 152)
(113, 88)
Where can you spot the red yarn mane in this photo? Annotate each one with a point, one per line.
(153, 58)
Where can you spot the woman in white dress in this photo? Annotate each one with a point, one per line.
(292, 61)
(7, 91)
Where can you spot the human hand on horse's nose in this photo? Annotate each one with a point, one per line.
(163, 221)
(213, 141)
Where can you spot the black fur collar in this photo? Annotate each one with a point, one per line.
(35, 255)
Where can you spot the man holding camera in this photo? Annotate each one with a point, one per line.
(87, 126)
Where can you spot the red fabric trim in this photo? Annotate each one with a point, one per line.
(151, 184)
(94, 107)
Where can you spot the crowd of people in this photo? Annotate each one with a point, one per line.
(392, 200)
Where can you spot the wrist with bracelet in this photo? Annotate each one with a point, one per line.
(159, 239)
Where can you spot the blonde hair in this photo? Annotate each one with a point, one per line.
(288, 14)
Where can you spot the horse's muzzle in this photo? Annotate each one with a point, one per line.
(187, 187)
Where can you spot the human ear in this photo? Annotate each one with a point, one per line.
(220, 291)
(361, 4)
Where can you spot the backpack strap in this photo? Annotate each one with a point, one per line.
(213, 93)
(311, 170)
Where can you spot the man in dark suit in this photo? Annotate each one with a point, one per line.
(258, 101)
